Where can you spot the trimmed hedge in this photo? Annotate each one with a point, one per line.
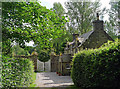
(16, 72)
(97, 67)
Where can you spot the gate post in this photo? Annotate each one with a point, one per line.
(34, 59)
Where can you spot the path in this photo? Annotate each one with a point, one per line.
(51, 79)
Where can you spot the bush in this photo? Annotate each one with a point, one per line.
(43, 56)
(97, 67)
(16, 72)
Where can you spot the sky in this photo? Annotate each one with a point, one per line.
(49, 4)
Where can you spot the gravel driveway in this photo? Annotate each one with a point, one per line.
(51, 79)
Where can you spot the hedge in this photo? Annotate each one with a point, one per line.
(16, 72)
(97, 67)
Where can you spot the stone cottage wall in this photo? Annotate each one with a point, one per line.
(64, 64)
(97, 39)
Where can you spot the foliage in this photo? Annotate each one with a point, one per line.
(59, 10)
(43, 56)
(17, 50)
(114, 14)
(29, 21)
(34, 80)
(16, 72)
(30, 49)
(81, 14)
(112, 26)
(97, 67)
(110, 30)
(0, 69)
(59, 43)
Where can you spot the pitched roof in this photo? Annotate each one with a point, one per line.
(85, 36)
(81, 38)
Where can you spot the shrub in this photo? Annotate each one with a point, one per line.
(97, 67)
(43, 56)
(16, 72)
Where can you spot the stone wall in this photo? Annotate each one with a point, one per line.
(38, 65)
(64, 62)
(34, 59)
(54, 63)
(31, 57)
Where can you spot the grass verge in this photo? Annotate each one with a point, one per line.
(34, 79)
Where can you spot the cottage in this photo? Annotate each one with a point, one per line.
(92, 39)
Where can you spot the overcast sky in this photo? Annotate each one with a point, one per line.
(49, 4)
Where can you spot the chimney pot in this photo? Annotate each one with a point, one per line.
(97, 16)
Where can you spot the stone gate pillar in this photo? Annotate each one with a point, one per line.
(34, 59)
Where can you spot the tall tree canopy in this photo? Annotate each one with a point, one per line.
(59, 43)
(29, 21)
(57, 6)
(81, 14)
(114, 14)
(17, 50)
(113, 25)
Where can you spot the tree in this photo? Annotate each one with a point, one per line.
(30, 49)
(59, 43)
(81, 14)
(58, 8)
(114, 19)
(114, 13)
(110, 30)
(17, 50)
(29, 21)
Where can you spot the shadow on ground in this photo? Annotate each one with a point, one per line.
(51, 79)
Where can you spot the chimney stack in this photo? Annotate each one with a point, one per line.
(98, 24)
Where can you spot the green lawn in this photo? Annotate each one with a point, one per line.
(34, 78)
